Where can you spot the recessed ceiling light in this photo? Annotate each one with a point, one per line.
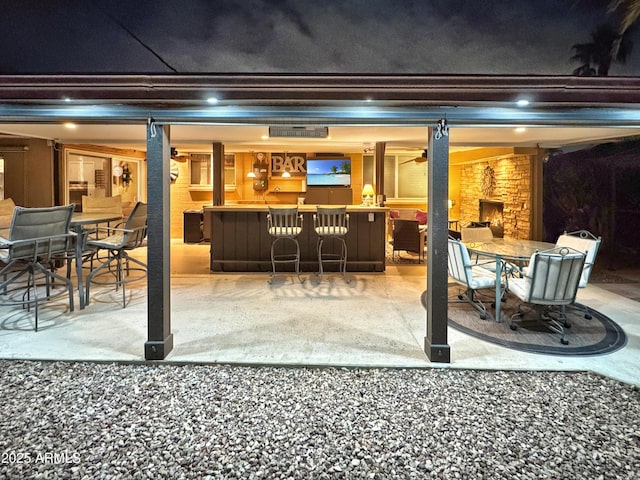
(70, 125)
(67, 99)
(212, 100)
(265, 137)
(522, 102)
(520, 129)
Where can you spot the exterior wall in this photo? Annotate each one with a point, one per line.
(512, 186)
(29, 174)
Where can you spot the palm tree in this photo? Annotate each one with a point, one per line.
(597, 56)
(630, 12)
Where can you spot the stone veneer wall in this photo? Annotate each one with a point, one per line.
(512, 186)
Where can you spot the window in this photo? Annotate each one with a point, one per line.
(229, 171)
(404, 178)
(201, 171)
(87, 175)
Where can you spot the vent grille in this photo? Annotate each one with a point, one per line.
(298, 132)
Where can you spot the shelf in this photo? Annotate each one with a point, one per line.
(209, 188)
(200, 188)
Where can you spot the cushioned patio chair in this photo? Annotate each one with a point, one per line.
(118, 242)
(472, 276)
(551, 280)
(583, 241)
(37, 237)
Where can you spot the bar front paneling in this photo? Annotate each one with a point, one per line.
(240, 241)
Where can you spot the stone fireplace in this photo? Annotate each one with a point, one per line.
(505, 186)
(492, 211)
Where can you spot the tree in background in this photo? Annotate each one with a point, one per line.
(597, 56)
(630, 10)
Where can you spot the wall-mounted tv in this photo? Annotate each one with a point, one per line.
(328, 172)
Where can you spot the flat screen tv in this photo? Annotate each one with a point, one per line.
(328, 172)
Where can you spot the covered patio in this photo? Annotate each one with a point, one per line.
(436, 103)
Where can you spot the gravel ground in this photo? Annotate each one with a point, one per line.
(87, 420)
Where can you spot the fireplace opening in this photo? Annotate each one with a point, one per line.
(492, 212)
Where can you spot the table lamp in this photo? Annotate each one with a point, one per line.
(368, 192)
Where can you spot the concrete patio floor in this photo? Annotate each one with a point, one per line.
(376, 320)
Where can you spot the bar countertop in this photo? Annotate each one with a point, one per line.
(262, 207)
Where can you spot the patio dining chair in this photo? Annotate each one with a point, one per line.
(37, 237)
(472, 276)
(583, 241)
(551, 280)
(118, 242)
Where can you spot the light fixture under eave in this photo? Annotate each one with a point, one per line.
(286, 174)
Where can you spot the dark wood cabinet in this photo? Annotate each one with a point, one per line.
(329, 196)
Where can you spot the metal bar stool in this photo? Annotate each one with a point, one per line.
(332, 223)
(284, 224)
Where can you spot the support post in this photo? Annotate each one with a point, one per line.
(159, 337)
(435, 343)
(379, 164)
(218, 173)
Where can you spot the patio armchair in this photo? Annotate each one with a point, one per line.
(472, 276)
(118, 242)
(37, 237)
(406, 235)
(551, 280)
(583, 241)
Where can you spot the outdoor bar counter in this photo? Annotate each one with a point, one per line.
(240, 241)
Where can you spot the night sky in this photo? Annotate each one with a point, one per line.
(301, 36)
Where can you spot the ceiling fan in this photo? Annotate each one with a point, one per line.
(175, 156)
(422, 158)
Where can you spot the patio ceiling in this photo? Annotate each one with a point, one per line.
(359, 110)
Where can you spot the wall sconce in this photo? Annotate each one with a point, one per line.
(368, 192)
(451, 203)
(251, 174)
(126, 175)
(286, 174)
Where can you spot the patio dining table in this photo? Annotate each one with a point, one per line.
(79, 223)
(511, 250)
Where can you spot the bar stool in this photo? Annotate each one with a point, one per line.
(284, 224)
(332, 223)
